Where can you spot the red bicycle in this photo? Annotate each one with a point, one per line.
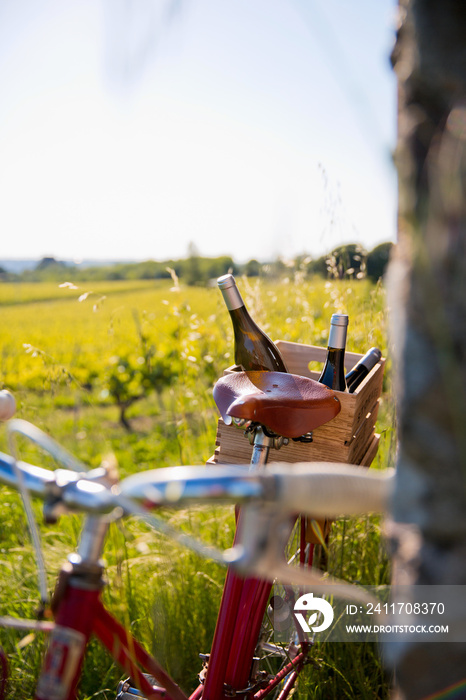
(244, 660)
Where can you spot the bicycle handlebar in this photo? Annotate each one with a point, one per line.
(269, 498)
(35, 479)
(317, 489)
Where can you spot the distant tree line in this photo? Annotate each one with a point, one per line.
(346, 261)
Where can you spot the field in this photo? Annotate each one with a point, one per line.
(83, 363)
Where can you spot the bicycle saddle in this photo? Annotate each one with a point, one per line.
(287, 404)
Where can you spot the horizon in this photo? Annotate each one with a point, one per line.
(97, 262)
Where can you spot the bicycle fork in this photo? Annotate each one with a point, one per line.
(75, 603)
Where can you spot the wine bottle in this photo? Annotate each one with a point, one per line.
(253, 348)
(362, 368)
(333, 374)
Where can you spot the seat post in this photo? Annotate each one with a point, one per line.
(260, 451)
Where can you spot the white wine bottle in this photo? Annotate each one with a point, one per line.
(362, 368)
(333, 374)
(253, 348)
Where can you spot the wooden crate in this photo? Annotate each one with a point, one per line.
(349, 437)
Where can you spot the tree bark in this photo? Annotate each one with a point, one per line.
(428, 300)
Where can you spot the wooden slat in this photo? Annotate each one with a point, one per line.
(235, 449)
(363, 437)
(241, 453)
(368, 457)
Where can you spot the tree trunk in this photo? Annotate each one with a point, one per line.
(428, 300)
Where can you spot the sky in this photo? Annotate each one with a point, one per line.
(133, 129)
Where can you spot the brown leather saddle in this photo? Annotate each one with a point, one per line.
(286, 404)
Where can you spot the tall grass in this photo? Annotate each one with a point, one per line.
(56, 353)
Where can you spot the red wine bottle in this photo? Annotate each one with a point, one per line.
(362, 368)
(253, 348)
(333, 374)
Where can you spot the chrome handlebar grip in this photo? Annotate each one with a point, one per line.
(326, 490)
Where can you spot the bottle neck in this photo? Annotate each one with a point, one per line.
(370, 359)
(230, 293)
(337, 337)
